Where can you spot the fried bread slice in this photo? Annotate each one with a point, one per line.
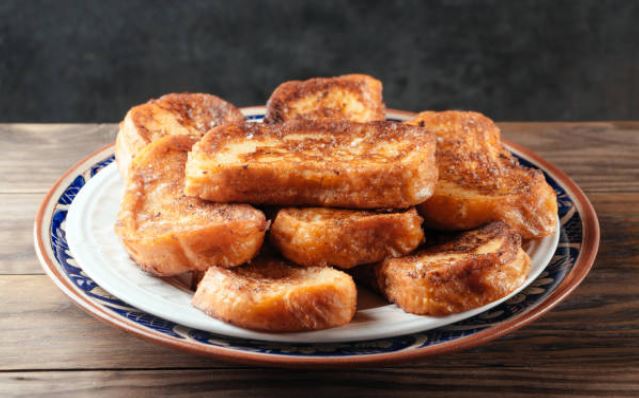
(187, 114)
(273, 295)
(472, 270)
(344, 238)
(168, 233)
(328, 163)
(480, 181)
(354, 97)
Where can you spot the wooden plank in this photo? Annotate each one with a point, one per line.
(445, 382)
(17, 255)
(587, 346)
(595, 327)
(43, 329)
(600, 157)
(35, 155)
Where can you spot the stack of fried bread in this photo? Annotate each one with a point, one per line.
(346, 193)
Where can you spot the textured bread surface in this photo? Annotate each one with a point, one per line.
(185, 114)
(168, 233)
(271, 294)
(472, 270)
(344, 238)
(480, 181)
(329, 164)
(356, 97)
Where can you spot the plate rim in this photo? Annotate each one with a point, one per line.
(582, 266)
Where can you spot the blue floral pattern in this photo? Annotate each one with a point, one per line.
(560, 265)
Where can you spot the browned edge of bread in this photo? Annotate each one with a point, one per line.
(472, 270)
(327, 98)
(344, 238)
(273, 295)
(168, 233)
(331, 164)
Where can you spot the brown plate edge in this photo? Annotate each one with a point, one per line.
(583, 264)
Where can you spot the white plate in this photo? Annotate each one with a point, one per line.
(101, 255)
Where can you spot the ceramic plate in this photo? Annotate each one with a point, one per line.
(77, 247)
(102, 257)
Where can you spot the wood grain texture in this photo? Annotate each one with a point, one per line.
(35, 155)
(600, 157)
(36, 314)
(594, 326)
(587, 346)
(16, 234)
(451, 382)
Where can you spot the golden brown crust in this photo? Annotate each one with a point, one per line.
(273, 295)
(344, 238)
(187, 114)
(168, 233)
(480, 181)
(330, 163)
(355, 97)
(470, 271)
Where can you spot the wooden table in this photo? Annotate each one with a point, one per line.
(587, 346)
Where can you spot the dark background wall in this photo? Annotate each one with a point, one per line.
(86, 61)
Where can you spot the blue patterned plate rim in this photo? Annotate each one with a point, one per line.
(571, 263)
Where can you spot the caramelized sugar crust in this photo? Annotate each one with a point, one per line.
(168, 233)
(355, 97)
(344, 238)
(480, 181)
(329, 163)
(186, 114)
(472, 270)
(271, 294)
